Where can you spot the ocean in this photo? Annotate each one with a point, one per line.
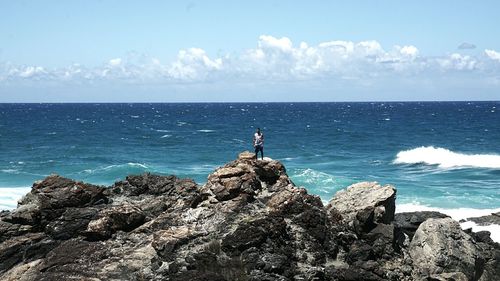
(439, 155)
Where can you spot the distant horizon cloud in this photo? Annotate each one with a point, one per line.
(493, 55)
(466, 46)
(275, 69)
(273, 59)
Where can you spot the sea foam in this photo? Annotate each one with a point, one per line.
(445, 158)
(458, 214)
(10, 195)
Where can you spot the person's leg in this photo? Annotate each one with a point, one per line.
(256, 152)
(262, 152)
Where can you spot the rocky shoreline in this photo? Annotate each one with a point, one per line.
(248, 222)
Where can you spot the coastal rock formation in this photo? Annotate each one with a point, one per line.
(493, 218)
(365, 205)
(440, 245)
(409, 222)
(248, 222)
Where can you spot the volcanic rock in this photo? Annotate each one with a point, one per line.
(248, 222)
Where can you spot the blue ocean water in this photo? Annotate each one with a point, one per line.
(437, 154)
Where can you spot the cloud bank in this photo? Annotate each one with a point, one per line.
(272, 60)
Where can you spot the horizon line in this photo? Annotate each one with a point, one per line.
(245, 102)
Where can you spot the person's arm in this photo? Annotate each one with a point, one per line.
(253, 141)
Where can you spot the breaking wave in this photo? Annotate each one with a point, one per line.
(126, 166)
(323, 184)
(445, 158)
(458, 214)
(10, 195)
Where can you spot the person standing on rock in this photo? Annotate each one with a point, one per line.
(258, 143)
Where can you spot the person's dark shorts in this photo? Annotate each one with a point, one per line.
(259, 148)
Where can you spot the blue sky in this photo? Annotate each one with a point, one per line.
(249, 50)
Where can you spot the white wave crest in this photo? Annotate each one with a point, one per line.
(458, 214)
(115, 167)
(445, 158)
(10, 171)
(10, 195)
(144, 166)
(310, 176)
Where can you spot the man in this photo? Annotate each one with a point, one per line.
(258, 143)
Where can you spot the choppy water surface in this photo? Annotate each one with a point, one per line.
(439, 154)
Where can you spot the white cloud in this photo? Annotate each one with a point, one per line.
(492, 54)
(25, 72)
(193, 64)
(115, 62)
(269, 42)
(409, 51)
(457, 61)
(272, 59)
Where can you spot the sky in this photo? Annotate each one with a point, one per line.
(248, 51)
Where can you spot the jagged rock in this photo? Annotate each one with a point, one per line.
(245, 176)
(254, 233)
(165, 242)
(49, 198)
(494, 218)
(453, 276)
(230, 181)
(71, 223)
(440, 245)
(123, 217)
(248, 222)
(365, 204)
(8, 230)
(410, 221)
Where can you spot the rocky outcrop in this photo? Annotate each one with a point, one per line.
(410, 221)
(440, 245)
(248, 222)
(493, 218)
(365, 205)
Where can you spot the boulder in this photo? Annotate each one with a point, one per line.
(410, 221)
(440, 246)
(230, 181)
(364, 205)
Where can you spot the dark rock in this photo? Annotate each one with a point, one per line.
(483, 236)
(248, 222)
(12, 251)
(8, 230)
(382, 241)
(71, 223)
(410, 221)
(123, 217)
(494, 218)
(254, 233)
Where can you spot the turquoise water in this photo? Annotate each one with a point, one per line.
(438, 154)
